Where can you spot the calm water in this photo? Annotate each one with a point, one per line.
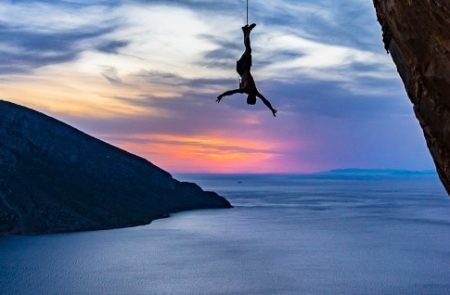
(287, 235)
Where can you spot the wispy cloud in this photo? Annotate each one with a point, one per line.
(146, 74)
(40, 33)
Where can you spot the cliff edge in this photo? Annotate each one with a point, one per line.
(417, 35)
(54, 178)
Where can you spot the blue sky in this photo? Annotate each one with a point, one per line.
(144, 75)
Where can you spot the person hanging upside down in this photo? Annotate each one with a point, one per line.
(247, 84)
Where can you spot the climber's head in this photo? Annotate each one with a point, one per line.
(251, 99)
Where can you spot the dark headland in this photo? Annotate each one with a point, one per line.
(55, 178)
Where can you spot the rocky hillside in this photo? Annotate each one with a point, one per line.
(417, 34)
(54, 178)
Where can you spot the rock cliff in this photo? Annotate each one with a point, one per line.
(417, 34)
(54, 178)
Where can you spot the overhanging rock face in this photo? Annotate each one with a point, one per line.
(417, 35)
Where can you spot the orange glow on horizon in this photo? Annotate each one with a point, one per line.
(86, 95)
(212, 154)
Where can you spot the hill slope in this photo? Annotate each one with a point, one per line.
(54, 178)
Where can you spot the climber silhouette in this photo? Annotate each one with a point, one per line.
(247, 84)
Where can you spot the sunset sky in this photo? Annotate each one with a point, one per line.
(144, 75)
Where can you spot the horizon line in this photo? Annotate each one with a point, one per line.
(330, 171)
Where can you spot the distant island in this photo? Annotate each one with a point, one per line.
(386, 172)
(55, 178)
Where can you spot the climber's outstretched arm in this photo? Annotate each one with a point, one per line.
(228, 93)
(267, 103)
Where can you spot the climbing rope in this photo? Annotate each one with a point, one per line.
(247, 12)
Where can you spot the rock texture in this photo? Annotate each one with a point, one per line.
(54, 178)
(417, 34)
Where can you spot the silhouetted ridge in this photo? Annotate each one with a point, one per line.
(55, 178)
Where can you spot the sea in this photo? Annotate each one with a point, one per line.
(287, 234)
